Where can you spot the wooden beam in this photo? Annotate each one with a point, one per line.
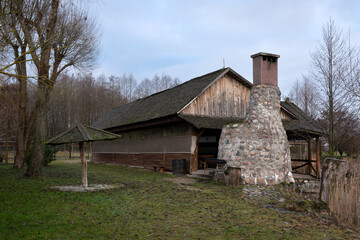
(317, 157)
(309, 154)
(195, 160)
(302, 160)
(84, 165)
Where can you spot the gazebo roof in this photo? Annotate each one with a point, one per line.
(81, 133)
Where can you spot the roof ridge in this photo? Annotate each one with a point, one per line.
(160, 104)
(84, 132)
(177, 86)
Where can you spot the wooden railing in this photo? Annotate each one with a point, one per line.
(307, 163)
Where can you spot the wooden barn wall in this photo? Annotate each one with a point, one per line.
(174, 129)
(225, 98)
(284, 115)
(156, 146)
(146, 160)
(174, 144)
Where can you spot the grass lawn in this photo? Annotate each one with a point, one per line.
(146, 207)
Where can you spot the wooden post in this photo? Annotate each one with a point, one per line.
(318, 157)
(195, 160)
(70, 150)
(84, 165)
(91, 151)
(309, 154)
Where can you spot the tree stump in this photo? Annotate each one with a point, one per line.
(234, 176)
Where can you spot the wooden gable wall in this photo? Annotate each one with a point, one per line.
(225, 98)
(285, 115)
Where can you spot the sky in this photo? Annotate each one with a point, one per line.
(189, 38)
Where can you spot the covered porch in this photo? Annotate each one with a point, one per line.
(304, 140)
(305, 150)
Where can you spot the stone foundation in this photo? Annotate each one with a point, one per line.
(259, 146)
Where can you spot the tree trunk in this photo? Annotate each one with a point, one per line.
(331, 125)
(84, 165)
(21, 139)
(7, 141)
(40, 127)
(21, 70)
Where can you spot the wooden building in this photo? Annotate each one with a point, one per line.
(185, 122)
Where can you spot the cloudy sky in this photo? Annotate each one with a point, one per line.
(189, 38)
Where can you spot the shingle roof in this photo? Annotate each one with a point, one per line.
(165, 103)
(81, 133)
(303, 123)
(171, 101)
(210, 122)
(218, 123)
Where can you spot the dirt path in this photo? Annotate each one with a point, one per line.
(184, 182)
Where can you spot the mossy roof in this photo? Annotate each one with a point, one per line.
(302, 123)
(171, 101)
(209, 122)
(165, 103)
(81, 133)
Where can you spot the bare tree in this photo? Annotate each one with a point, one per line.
(78, 100)
(58, 37)
(157, 84)
(144, 89)
(13, 39)
(128, 86)
(305, 95)
(330, 68)
(352, 82)
(8, 110)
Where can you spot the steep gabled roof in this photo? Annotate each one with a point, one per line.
(303, 123)
(171, 101)
(165, 103)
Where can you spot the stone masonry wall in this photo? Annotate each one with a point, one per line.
(259, 146)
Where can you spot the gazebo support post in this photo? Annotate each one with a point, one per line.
(309, 155)
(318, 157)
(84, 165)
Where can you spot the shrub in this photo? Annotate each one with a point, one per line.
(50, 155)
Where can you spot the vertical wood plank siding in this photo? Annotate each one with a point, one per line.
(284, 115)
(225, 98)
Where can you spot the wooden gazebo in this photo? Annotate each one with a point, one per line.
(81, 134)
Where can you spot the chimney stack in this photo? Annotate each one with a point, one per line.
(257, 150)
(265, 70)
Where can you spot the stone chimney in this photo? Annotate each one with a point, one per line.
(257, 150)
